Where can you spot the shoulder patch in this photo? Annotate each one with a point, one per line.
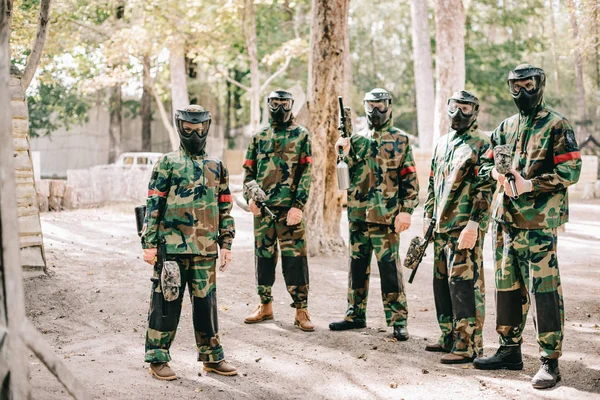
(570, 141)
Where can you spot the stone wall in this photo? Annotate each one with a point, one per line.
(32, 246)
(104, 184)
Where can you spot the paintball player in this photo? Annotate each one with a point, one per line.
(189, 206)
(382, 196)
(460, 202)
(546, 160)
(279, 160)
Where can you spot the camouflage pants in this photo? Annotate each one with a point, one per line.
(459, 292)
(527, 273)
(294, 263)
(199, 274)
(364, 239)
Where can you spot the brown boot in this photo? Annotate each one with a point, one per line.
(436, 348)
(222, 368)
(303, 320)
(162, 371)
(451, 358)
(262, 313)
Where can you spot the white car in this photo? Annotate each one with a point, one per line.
(138, 158)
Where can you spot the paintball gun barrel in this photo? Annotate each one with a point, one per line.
(259, 197)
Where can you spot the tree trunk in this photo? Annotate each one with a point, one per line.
(250, 39)
(423, 72)
(33, 61)
(115, 127)
(581, 104)
(146, 106)
(179, 91)
(450, 58)
(553, 44)
(327, 66)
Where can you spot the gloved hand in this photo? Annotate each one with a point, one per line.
(426, 222)
(468, 236)
(225, 259)
(254, 208)
(150, 256)
(294, 216)
(402, 222)
(497, 176)
(344, 143)
(523, 185)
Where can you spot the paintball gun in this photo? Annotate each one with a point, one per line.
(259, 197)
(503, 161)
(343, 173)
(416, 250)
(167, 272)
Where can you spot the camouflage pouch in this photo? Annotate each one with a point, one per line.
(415, 253)
(170, 280)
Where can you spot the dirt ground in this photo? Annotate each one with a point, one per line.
(92, 309)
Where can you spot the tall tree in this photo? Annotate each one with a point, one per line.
(179, 89)
(146, 105)
(577, 62)
(327, 68)
(423, 72)
(449, 58)
(33, 61)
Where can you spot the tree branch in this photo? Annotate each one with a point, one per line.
(33, 61)
(161, 109)
(89, 27)
(276, 74)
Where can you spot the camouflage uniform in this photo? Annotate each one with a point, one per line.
(526, 265)
(189, 205)
(279, 159)
(383, 183)
(455, 196)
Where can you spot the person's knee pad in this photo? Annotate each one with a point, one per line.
(443, 302)
(357, 276)
(462, 293)
(547, 311)
(265, 271)
(509, 306)
(388, 271)
(295, 270)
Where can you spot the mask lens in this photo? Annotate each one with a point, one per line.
(285, 103)
(454, 105)
(199, 128)
(382, 106)
(529, 84)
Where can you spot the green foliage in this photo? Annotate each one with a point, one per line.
(55, 106)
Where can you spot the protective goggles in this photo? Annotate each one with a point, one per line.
(466, 108)
(276, 103)
(382, 105)
(530, 85)
(201, 129)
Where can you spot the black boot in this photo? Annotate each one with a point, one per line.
(507, 357)
(400, 333)
(345, 325)
(548, 374)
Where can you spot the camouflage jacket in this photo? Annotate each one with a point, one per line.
(547, 153)
(280, 162)
(189, 204)
(456, 194)
(383, 176)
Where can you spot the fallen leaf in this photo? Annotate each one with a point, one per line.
(387, 339)
(393, 385)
